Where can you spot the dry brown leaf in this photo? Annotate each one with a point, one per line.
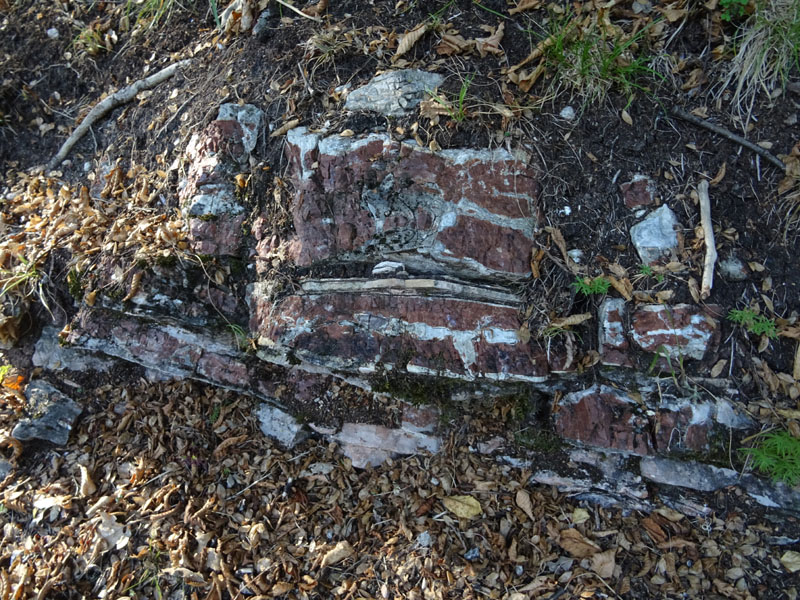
(623, 286)
(673, 14)
(452, 43)
(409, 39)
(655, 530)
(791, 561)
(578, 546)
(696, 78)
(580, 515)
(491, 44)
(627, 117)
(525, 5)
(285, 127)
(464, 507)
(720, 174)
(716, 370)
(227, 443)
(87, 486)
(571, 320)
(603, 563)
(523, 500)
(337, 554)
(316, 9)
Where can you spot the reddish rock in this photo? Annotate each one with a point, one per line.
(684, 424)
(614, 347)
(604, 417)
(680, 330)
(422, 326)
(466, 211)
(221, 235)
(639, 191)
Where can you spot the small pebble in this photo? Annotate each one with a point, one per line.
(52, 33)
(472, 554)
(576, 254)
(567, 113)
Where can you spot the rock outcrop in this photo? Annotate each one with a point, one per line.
(404, 265)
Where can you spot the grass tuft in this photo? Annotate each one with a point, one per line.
(768, 48)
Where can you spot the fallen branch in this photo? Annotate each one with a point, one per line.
(682, 114)
(708, 236)
(103, 107)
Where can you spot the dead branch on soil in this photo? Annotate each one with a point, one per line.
(682, 114)
(103, 107)
(708, 236)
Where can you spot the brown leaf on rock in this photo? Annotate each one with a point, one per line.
(578, 546)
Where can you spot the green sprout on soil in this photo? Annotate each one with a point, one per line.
(594, 58)
(732, 9)
(648, 271)
(754, 323)
(588, 287)
(777, 455)
(459, 113)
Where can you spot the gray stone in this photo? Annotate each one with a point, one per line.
(280, 425)
(51, 415)
(692, 475)
(5, 468)
(771, 495)
(50, 354)
(655, 237)
(250, 117)
(394, 94)
(732, 268)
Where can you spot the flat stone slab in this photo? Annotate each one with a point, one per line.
(419, 326)
(51, 415)
(395, 93)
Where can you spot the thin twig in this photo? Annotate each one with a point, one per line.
(298, 11)
(708, 235)
(680, 113)
(123, 96)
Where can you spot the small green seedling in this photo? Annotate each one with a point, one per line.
(588, 287)
(732, 9)
(777, 455)
(459, 113)
(648, 271)
(753, 323)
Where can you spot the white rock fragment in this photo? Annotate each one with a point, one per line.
(655, 237)
(395, 93)
(567, 113)
(280, 425)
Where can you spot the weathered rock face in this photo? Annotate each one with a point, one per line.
(456, 212)
(406, 263)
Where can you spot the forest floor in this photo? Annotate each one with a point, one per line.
(170, 490)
